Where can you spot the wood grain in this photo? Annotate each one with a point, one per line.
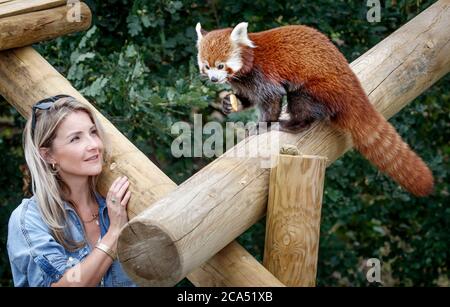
(293, 219)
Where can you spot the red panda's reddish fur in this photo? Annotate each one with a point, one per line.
(304, 56)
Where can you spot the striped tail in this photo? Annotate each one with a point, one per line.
(376, 139)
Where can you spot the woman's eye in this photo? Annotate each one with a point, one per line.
(94, 131)
(220, 66)
(74, 139)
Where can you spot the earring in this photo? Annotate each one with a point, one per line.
(53, 167)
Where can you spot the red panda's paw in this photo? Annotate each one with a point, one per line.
(294, 126)
(227, 105)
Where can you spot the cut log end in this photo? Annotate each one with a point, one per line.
(149, 255)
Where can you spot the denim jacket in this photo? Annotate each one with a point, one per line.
(37, 259)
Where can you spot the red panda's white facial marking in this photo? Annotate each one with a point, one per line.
(235, 60)
(217, 74)
(203, 67)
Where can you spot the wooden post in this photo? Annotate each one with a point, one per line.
(26, 77)
(26, 29)
(293, 219)
(221, 201)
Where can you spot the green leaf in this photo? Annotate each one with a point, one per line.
(95, 88)
(84, 56)
(130, 52)
(134, 25)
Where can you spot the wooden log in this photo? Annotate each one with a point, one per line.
(26, 29)
(26, 77)
(17, 7)
(243, 270)
(205, 213)
(293, 219)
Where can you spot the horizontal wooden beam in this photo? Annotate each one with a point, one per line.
(29, 28)
(205, 213)
(17, 7)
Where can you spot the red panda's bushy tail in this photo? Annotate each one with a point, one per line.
(376, 139)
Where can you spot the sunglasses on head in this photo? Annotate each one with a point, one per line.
(43, 104)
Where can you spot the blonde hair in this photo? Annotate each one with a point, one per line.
(50, 190)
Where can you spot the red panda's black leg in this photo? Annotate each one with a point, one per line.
(303, 110)
(246, 103)
(270, 110)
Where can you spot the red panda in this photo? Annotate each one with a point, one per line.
(303, 64)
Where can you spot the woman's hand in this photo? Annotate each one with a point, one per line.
(116, 202)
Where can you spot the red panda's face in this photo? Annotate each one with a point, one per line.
(219, 52)
(217, 57)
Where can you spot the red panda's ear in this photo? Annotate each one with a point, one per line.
(239, 35)
(200, 33)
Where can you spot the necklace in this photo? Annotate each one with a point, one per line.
(94, 218)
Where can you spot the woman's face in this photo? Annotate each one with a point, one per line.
(77, 148)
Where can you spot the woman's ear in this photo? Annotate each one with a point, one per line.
(46, 155)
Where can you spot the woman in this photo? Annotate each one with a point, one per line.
(66, 234)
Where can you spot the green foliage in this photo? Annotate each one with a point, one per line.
(137, 65)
